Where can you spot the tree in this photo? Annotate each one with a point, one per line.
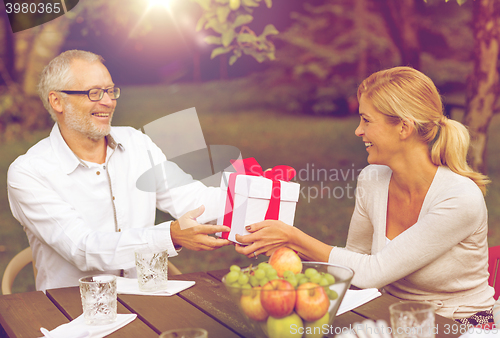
(403, 26)
(21, 111)
(321, 58)
(483, 84)
(228, 21)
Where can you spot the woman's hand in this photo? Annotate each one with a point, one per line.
(265, 238)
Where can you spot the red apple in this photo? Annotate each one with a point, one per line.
(278, 298)
(285, 259)
(251, 306)
(312, 301)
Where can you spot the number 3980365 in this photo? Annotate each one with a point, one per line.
(40, 8)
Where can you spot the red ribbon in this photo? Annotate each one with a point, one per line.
(250, 166)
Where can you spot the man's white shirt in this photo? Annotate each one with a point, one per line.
(84, 218)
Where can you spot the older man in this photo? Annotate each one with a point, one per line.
(75, 191)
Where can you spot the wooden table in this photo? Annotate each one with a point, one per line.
(206, 305)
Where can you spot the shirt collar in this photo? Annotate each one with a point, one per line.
(68, 159)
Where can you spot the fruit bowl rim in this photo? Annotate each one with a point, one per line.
(303, 263)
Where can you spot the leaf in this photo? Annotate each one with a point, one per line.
(214, 24)
(250, 3)
(246, 38)
(269, 30)
(201, 22)
(227, 37)
(213, 40)
(222, 13)
(461, 2)
(269, 3)
(242, 20)
(220, 50)
(233, 59)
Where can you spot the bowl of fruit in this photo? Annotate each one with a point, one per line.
(286, 297)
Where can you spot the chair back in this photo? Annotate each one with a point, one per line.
(17, 263)
(494, 269)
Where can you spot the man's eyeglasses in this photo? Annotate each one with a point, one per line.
(96, 94)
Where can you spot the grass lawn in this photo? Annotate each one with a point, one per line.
(230, 114)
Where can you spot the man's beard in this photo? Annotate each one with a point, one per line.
(82, 123)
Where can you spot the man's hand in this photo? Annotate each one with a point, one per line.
(194, 236)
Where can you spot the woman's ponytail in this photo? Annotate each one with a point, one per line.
(450, 149)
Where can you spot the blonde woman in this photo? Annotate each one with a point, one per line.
(419, 228)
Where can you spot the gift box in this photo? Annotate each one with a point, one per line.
(251, 196)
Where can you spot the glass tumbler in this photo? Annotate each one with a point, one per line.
(412, 320)
(185, 333)
(98, 299)
(152, 270)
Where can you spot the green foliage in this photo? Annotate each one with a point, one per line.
(228, 20)
(331, 47)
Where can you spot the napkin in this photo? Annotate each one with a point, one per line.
(355, 298)
(130, 286)
(78, 329)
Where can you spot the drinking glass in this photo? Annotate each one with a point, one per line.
(151, 270)
(412, 320)
(98, 299)
(185, 333)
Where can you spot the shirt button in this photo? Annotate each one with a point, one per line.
(119, 230)
(98, 172)
(113, 198)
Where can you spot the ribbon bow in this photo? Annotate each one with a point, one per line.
(250, 166)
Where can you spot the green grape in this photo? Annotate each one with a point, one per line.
(232, 277)
(235, 268)
(243, 279)
(254, 281)
(299, 276)
(323, 281)
(315, 278)
(263, 281)
(292, 280)
(264, 265)
(330, 278)
(260, 273)
(246, 289)
(288, 273)
(271, 272)
(303, 280)
(332, 294)
(311, 272)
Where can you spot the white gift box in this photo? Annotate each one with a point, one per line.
(251, 201)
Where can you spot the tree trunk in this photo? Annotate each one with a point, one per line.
(46, 45)
(360, 24)
(483, 86)
(34, 48)
(402, 24)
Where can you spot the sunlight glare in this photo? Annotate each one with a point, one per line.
(164, 3)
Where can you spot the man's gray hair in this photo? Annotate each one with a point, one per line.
(57, 74)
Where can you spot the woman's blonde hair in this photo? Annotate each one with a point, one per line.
(403, 93)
